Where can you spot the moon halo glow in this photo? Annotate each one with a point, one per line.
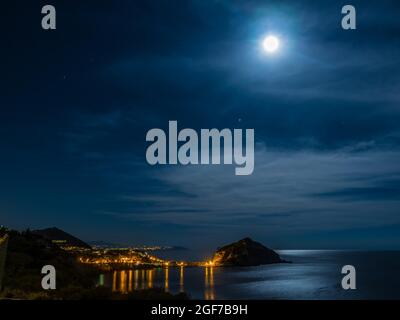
(270, 44)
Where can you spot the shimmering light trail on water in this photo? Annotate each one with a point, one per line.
(314, 274)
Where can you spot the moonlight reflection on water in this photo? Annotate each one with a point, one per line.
(314, 274)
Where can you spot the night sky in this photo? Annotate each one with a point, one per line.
(76, 104)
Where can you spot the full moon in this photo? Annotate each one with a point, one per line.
(270, 44)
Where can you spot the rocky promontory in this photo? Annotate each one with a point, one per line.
(245, 252)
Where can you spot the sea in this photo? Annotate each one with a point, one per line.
(312, 275)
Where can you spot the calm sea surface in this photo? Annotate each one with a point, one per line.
(314, 274)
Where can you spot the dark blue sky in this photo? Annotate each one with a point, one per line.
(76, 104)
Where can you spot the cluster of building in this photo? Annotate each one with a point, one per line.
(112, 256)
(115, 257)
(131, 258)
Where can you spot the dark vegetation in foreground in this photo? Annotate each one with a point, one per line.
(29, 252)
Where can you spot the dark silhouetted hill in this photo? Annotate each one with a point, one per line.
(61, 238)
(246, 252)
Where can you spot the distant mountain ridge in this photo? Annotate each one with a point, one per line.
(61, 238)
(105, 244)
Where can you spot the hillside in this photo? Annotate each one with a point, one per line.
(245, 252)
(61, 238)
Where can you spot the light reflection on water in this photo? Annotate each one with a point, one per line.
(126, 281)
(209, 292)
(181, 279)
(312, 275)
